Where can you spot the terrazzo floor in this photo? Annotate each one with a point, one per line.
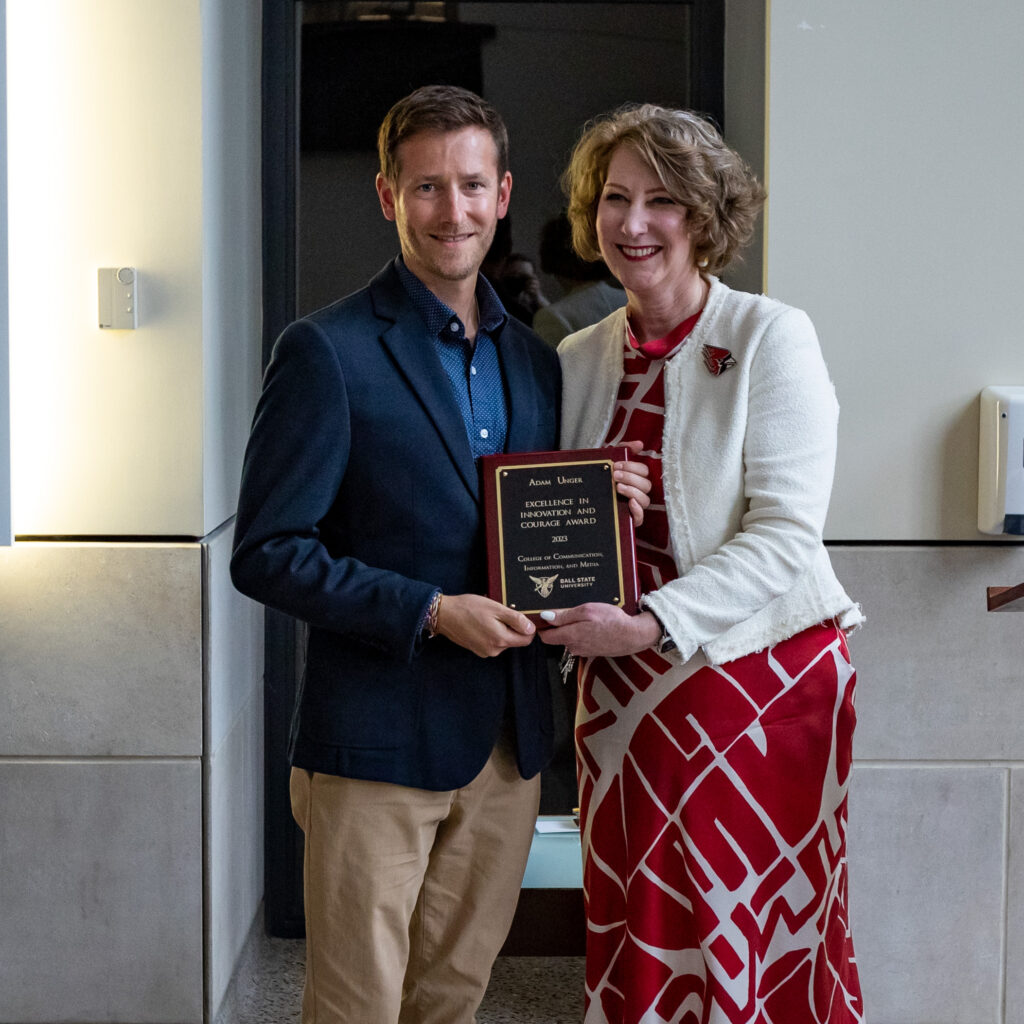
(523, 989)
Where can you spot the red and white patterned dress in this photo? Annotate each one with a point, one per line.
(713, 810)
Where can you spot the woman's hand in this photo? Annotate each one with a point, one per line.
(632, 483)
(600, 630)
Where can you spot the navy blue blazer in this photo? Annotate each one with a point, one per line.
(359, 498)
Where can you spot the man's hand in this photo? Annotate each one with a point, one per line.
(632, 483)
(481, 625)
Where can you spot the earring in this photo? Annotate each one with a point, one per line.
(702, 262)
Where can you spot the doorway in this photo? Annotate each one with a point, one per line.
(548, 68)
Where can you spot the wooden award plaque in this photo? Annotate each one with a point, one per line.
(558, 535)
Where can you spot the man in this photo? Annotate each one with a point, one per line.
(425, 712)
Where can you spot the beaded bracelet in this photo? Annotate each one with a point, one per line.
(435, 607)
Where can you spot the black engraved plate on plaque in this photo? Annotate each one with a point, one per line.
(557, 534)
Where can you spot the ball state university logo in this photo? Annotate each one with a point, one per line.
(544, 584)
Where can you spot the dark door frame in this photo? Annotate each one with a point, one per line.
(283, 913)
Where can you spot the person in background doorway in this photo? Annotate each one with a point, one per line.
(714, 726)
(590, 292)
(518, 287)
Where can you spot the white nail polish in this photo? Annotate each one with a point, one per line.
(547, 616)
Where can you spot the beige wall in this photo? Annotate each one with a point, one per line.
(6, 533)
(894, 147)
(231, 267)
(131, 698)
(896, 150)
(132, 142)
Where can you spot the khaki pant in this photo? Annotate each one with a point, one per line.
(409, 893)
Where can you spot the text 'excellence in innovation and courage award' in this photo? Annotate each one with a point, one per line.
(557, 533)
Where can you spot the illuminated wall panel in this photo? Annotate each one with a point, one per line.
(130, 145)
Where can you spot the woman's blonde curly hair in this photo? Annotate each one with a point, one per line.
(721, 195)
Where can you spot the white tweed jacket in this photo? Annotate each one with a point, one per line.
(748, 460)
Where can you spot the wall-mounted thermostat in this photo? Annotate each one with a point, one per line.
(118, 298)
(1001, 461)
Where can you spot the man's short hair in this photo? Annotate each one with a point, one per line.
(438, 108)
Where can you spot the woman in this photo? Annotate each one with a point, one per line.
(714, 727)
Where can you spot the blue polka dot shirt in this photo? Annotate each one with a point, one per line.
(473, 369)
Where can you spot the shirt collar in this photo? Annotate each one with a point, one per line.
(438, 316)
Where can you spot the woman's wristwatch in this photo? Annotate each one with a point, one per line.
(666, 643)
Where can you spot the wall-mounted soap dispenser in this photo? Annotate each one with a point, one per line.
(1001, 461)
